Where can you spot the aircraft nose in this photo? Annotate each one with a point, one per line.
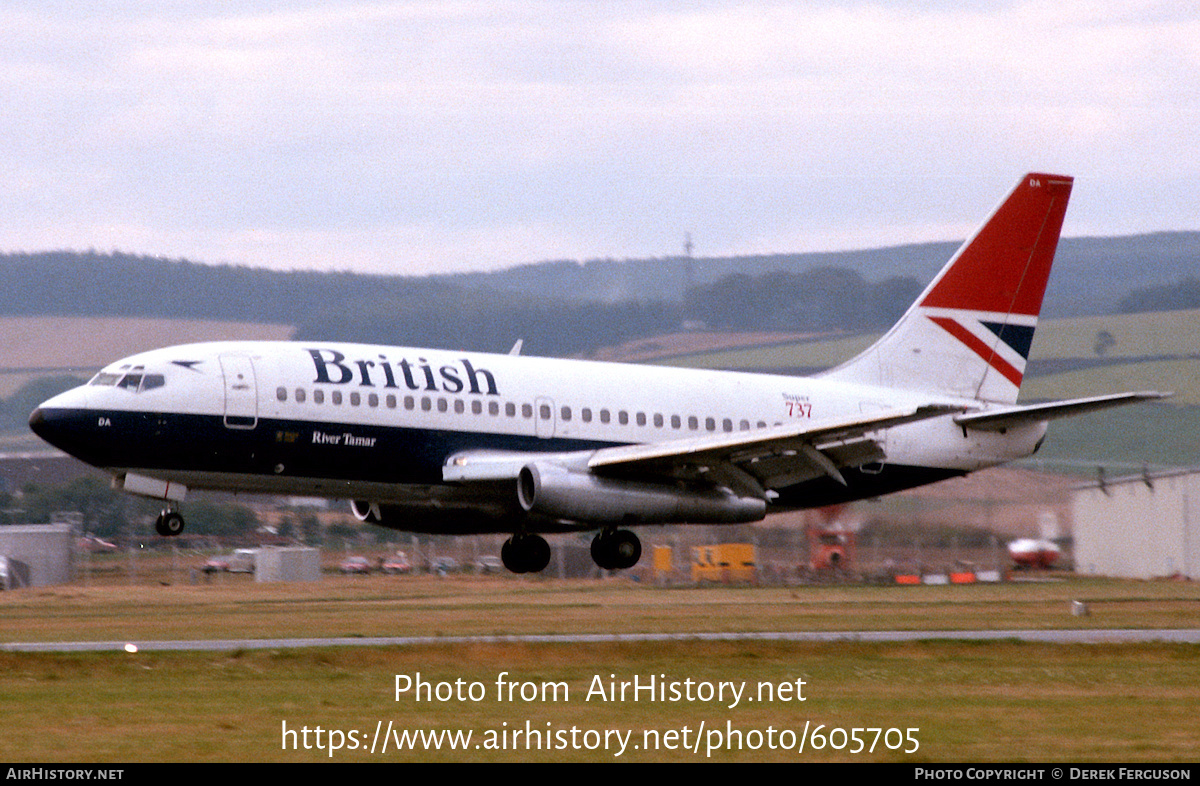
(48, 425)
(37, 421)
(57, 419)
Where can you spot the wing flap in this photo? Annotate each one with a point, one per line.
(766, 458)
(749, 462)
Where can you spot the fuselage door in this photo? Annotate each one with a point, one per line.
(241, 392)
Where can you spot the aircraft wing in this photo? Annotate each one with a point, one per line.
(748, 462)
(1009, 417)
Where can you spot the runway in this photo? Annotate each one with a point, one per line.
(1069, 636)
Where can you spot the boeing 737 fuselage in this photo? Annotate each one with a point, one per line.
(428, 440)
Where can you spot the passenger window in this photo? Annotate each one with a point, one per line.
(586, 414)
(641, 418)
(410, 402)
(355, 399)
(476, 407)
(510, 409)
(318, 396)
(623, 418)
(426, 403)
(443, 405)
(744, 425)
(391, 401)
(605, 416)
(281, 394)
(373, 399)
(335, 398)
(566, 413)
(727, 425)
(675, 421)
(710, 424)
(693, 422)
(526, 410)
(301, 395)
(459, 406)
(658, 420)
(493, 408)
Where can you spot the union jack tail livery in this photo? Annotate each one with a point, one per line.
(970, 332)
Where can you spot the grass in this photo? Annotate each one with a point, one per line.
(1124, 439)
(1149, 334)
(1181, 377)
(991, 701)
(237, 607)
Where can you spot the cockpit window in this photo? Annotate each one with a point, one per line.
(134, 380)
(131, 382)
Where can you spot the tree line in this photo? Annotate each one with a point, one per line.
(432, 311)
(1181, 295)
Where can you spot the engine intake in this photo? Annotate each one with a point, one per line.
(366, 511)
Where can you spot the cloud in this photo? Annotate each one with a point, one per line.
(473, 134)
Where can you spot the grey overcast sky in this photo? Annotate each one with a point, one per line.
(426, 137)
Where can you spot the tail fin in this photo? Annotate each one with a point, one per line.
(970, 331)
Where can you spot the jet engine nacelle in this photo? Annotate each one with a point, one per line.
(366, 511)
(555, 491)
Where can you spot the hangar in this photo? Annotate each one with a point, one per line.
(1142, 527)
(35, 555)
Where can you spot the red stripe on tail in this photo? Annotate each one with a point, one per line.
(1006, 369)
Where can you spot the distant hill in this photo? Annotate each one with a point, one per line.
(567, 308)
(1090, 275)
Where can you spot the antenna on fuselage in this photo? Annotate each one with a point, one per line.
(516, 348)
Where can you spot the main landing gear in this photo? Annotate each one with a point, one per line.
(612, 549)
(616, 549)
(169, 523)
(525, 553)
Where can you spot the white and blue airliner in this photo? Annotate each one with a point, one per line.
(429, 440)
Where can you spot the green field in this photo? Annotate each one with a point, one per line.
(1157, 350)
(966, 701)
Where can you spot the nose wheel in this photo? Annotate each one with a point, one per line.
(169, 523)
(524, 553)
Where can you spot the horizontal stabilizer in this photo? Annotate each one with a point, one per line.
(1010, 417)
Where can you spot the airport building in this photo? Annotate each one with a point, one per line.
(1144, 526)
(35, 555)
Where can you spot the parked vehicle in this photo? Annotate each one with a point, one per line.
(240, 561)
(443, 565)
(397, 563)
(359, 565)
(488, 564)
